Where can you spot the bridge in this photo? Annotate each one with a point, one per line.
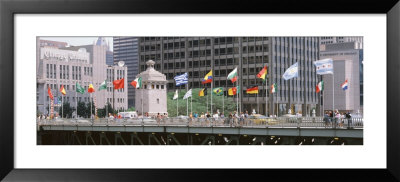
(200, 131)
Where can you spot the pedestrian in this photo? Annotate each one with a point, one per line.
(158, 118)
(241, 119)
(326, 118)
(236, 118)
(337, 118)
(349, 120)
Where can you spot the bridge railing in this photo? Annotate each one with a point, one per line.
(284, 122)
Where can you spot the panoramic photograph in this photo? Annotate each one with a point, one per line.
(199, 90)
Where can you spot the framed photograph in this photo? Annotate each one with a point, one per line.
(177, 89)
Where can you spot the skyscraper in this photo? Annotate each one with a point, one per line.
(126, 49)
(198, 55)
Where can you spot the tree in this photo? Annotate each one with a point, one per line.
(81, 109)
(131, 109)
(200, 103)
(67, 112)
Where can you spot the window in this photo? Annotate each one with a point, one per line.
(162, 86)
(157, 86)
(158, 101)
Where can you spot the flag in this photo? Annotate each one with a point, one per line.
(232, 91)
(90, 89)
(207, 78)
(137, 83)
(188, 94)
(263, 73)
(62, 90)
(324, 66)
(319, 87)
(233, 75)
(218, 91)
(345, 85)
(252, 90)
(118, 84)
(175, 95)
(103, 85)
(203, 92)
(50, 94)
(79, 88)
(181, 79)
(291, 72)
(273, 88)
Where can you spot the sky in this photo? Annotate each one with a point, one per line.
(77, 41)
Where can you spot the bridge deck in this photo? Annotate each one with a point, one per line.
(297, 127)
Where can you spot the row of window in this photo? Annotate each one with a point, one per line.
(220, 40)
(88, 71)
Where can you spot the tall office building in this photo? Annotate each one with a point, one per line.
(199, 55)
(109, 58)
(348, 64)
(126, 49)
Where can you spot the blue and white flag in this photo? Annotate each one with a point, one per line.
(324, 66)
(291, 72)
(181, 79)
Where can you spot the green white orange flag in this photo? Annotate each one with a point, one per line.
(90, 89)
(62, 90)
(262, 73)
(319, 87)
(233, 75)
(137, 83)
(103, 85)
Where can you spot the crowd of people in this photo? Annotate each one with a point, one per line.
(337, 119)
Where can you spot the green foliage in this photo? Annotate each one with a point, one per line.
(199, 103)
(68, 110)
(82, 109)
(131, 109)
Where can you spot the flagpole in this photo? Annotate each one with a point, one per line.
(258, 106)
(211, 108)
(223, 98)
(191, 104)
(187, 101)
(237, 99)
(62, 106)
(333, 95)
(207, 100)
(76, 104)
(142, 103)
(91, 103)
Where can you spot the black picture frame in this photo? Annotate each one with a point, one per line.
(9, 8)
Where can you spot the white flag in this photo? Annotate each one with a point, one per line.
(188, 94)
(176, 95)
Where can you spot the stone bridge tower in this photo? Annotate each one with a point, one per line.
(154, 91)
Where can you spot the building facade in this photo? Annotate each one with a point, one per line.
(79, 64)
(199, 55)
(348, 64)
(126, 49)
